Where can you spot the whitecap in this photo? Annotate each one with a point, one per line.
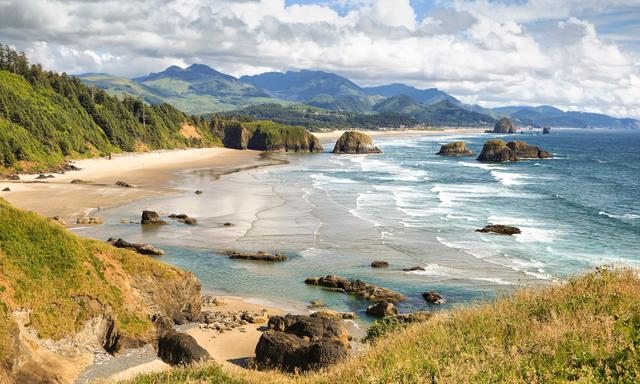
(509, 178)
(495, 280)
(626, 216)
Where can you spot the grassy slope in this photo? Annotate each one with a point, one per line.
(65, 280)
(584, 331)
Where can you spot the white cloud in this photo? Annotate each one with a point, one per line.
(487, 52)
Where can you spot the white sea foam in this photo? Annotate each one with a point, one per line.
(510, 178)
(486, 166)
(626, 216)
(312, 252)
(387, 171)
(496, 280)
(324, 179)
(436, 270)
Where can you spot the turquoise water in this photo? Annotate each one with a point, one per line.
(335, 214)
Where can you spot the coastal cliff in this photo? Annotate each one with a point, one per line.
(62, 296)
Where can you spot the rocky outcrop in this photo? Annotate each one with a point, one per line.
(268, 136)
(382, 309)
(123, 184)
(316, 304)
(42, 176)
(176, 348)
(7, 189)
(499, 151)
(221, 321)
(413, 269)
(259, 256)
(151, 218)
(141, 248)
(433, 297)
(334, 315)
(58, 220)
(523, 150)
(12, 177)
(458, 148)
(198, 192)
(356, 287)
(78, 181)
(546, 130)
(89, 221)
(302, 343)
(183, 218)
(504, 125)
(353, 142)
(379, 264)
(500, 229)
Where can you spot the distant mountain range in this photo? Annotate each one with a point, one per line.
(200, 89)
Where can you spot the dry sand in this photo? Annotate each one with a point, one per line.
(239, 344)
(149, 173)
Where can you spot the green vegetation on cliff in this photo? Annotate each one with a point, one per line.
(586, 330)
(62, 281)
(46, 117)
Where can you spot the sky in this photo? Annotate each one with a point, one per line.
(574, 54)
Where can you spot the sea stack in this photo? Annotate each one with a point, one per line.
(457, 148)
(499, 151)
(504, 125)
(546, 130)
(352, 142)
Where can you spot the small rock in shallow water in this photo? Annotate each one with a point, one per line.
(382, 309)
(379, 264)
(433, 297)
(412, 269)
(500, 229)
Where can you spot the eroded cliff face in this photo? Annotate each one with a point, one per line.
(63, 297)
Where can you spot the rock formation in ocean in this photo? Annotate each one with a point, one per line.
(302, 343)
(500, 229)
(433, 297)
(184, 218)
(353, 142)
(258, 256)
(334, 315)
(357, 287)
(504, 125)
(379, 264)
(382, 309)
(151, 218)
(416, 268)
(546, 130)
(457, 148)
(500, 151)
(269, 136)
(141, 248)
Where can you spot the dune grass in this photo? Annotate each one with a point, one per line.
(586, 330)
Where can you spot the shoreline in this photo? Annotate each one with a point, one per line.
(151, 174)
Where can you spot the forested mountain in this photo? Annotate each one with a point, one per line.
(47, 118)
(196, 89)
(200, 89)
(425, 96)
(545, 115)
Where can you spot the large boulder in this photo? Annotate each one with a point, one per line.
(499, 151)
(457, 148)
(500, 229)
(141, 248)
(504, 125)
(379, 264)
(151, 217)
(356, 287)
(353, 142)
(301, 343)
(382, 309)
(176, 348)
(184, 218)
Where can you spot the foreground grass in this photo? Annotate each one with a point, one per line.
(584, 331)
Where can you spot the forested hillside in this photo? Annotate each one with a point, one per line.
(47, 117)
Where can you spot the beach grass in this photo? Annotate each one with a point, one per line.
(585, 330)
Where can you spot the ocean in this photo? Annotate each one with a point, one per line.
(335, 214)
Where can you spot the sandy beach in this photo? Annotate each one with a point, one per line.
(149, 174)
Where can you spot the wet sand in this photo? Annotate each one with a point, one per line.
(150, 174)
